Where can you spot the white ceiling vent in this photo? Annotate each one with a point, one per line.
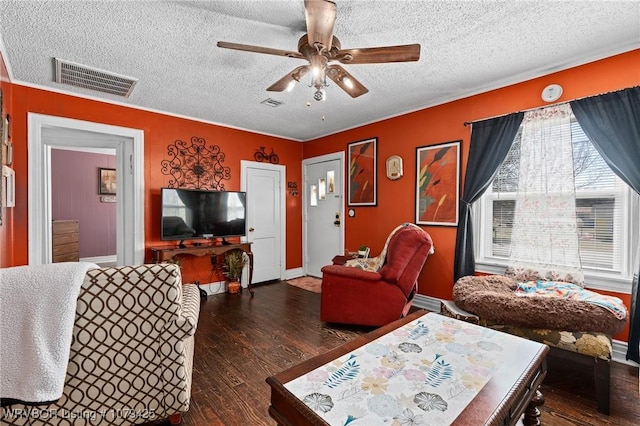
(271, 102)
(93, 78)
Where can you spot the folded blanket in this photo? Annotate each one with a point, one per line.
(574, 292)
(36, 327)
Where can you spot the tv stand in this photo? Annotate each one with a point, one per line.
(160, 254)
(225, 242)
(181, 244)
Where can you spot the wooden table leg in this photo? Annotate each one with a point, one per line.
(250, 254)
(532, 413)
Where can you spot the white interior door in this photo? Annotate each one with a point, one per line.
(324, 211)
(265, 218)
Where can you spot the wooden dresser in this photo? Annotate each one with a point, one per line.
(65, 241)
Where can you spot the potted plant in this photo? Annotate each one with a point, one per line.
(233, 264)
(363, 251)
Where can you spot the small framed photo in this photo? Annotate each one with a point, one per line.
(363, 173)
(107, 181)
(438, 184)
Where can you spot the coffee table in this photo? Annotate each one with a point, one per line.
(510, 391)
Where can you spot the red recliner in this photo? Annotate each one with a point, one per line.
(354, 296)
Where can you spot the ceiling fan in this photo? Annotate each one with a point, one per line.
(320, 47)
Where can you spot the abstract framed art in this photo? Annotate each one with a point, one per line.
(363, 173)
(438, 184)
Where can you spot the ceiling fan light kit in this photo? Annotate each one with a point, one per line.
(320, 47)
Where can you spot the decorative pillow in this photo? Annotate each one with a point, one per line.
(546, 273)
(371, 264)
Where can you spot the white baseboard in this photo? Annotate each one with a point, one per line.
(214, 288)
(433, 304)
(427, 302)
(620, 353)
(100, 259)
(293, 273)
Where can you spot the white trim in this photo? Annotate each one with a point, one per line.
(294, 273)
(620, 353)
(305, 203)
(129, 148)
(282, 170)
(101, 151)
(427, 302)
(592, 281)
(100, 259)
(217, 287)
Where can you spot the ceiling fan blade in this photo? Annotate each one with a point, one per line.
(321, 19)
(379, 55)
(283, 83)
(260, 49)
(346, 81)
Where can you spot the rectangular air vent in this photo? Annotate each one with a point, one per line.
(92, 78)
(271, 102)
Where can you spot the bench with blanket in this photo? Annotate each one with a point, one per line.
(574, 322)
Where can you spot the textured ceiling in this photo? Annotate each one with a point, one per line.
(468, 47)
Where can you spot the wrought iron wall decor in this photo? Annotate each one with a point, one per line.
(262, 156)
(195, 165)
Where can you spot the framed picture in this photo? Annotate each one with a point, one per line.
(438, 184)
(107, 179)
(363, 173)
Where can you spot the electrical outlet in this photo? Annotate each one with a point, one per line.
(214, 259)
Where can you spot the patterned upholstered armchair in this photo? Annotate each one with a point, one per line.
(380, 290)
(131, 354)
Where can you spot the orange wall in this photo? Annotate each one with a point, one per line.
(6, 229)
(160, 131)
(403, 134)
(400, 135)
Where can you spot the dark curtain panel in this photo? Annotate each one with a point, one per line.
(612, 123)
(490, 142)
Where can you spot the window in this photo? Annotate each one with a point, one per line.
(606, 210)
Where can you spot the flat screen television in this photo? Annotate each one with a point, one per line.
(190, 214)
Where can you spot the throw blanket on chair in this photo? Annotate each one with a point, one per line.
(36, 327)
(573, 292)
(373, 264)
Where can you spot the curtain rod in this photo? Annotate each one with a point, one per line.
(468, 123)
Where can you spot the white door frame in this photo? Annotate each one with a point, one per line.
(130, 178)
(282, 170)
(305, 200)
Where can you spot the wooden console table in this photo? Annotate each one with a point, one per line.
(160, 254)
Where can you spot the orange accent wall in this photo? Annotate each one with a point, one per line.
(6, 228)
(160, 130)
(402, 135)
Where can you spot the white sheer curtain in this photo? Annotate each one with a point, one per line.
(545, 231)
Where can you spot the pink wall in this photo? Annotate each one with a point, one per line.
(74, 196)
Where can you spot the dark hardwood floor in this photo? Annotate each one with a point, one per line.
(241, 341)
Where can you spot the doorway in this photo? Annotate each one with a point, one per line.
(129, 149)
(266, 218)
(323, 193)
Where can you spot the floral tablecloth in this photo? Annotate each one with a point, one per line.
(423, 373)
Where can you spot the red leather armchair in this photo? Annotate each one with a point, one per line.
(354, 296)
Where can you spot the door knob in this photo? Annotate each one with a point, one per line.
(251, 229)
